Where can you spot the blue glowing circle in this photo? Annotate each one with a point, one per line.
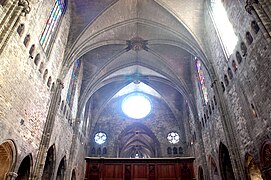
(100, 138)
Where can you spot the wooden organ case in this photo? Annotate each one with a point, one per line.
(139, 169)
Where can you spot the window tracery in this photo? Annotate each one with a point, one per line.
(52, 24)
(100, 137)
(201, 79)
(173, 137)
(73, 82)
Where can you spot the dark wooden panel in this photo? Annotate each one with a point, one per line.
(112, 171)
(166, 171)
(139, 171)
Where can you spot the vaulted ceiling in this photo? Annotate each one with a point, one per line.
(125, 41)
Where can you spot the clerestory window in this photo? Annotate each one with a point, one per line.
(223, 26)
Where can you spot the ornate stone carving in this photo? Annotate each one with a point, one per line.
(137, 44)
(25, 5)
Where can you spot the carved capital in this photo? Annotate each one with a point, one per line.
(59, 83)
(137, 44)
(250, 5)
(25, 5)
(12, 175)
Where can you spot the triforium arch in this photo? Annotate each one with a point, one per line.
(225, 163)
(49, 166)
(266, 159)
(25, 168)
(8, 155)
(252, 168)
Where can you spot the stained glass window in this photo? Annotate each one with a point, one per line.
(100, 137)
(173, 137)
(73, 82)
(224, 26)
(201, 79)
(51, 24)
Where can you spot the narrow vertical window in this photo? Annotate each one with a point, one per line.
(201, 79)
(52, 24)
(224, 27)
(73, 82)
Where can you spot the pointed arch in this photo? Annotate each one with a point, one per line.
(137, 140)
(61, 170)
(225, 163)
(73, 175)
(49, 167)
(252, 169)
(25, 168)
(266, 159)
(8, 154)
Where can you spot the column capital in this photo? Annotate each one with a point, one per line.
(60, 83)
(12, 175)
(25, 5)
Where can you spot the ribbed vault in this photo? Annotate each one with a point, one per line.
(131, 41)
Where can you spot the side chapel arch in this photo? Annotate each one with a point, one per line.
(252, 169)
(8, 155)
(225, 163)
(266, 159)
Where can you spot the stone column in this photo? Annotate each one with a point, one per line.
(230, 134)
(11, 19)
(266, 4)
(48, 128)
(12, 176)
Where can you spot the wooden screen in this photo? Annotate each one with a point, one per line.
(139, 169)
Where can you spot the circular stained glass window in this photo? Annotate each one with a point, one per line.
(100, 137)
(173, 137)
(136, 106)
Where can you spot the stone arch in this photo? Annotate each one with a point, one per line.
(7, 158)
(49, 166)
(266, 159)
(37, 59)
(26, 40)
(60, 175)
(73, 175)
(234, 65)
(25, 168)
(249, 38)
(225, 163)
(252, 169)
(200, 173)
(31, 51)
(255, 27)
(49, 81)
(238, 57)
(213, 169)
(20, 29)
(138, 139)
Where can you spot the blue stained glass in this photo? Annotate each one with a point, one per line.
(52, 23)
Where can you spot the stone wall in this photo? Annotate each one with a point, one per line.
(113, 122)
(24, 88)
(246, 97)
